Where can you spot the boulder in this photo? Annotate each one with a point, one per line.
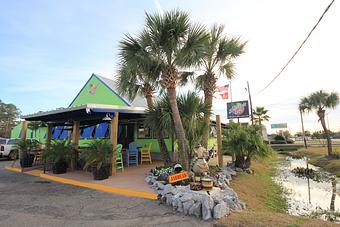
(186, 197)
(220, 210)
(207, 206)
(187, 205)
(196, 209)
(238, 169)
(167, 189)
(249, 171)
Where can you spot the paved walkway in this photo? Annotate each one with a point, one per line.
(31, 201)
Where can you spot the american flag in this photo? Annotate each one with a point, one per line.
(222, 88)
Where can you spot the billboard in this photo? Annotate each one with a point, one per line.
(280, 125)
(238, 109)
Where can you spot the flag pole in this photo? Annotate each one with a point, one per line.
(231, 94)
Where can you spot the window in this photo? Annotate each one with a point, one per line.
(144, 133)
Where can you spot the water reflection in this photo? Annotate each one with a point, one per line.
(307, 196)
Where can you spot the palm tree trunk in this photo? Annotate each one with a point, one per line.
(321, 115)
(160, 137)
(208, 99)
(180, 133)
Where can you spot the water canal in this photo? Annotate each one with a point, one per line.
(314, 195)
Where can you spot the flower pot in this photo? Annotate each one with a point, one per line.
(59, 167)
(26, 161)
(103, 173)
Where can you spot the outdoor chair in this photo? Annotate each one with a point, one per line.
(119, 157)
(145, 154)
(132, 155)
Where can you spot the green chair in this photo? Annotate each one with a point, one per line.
(119, 157)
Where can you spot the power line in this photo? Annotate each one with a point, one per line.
(296, 52)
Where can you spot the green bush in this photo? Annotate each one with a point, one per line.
(98, 154)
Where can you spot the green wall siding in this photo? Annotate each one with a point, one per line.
(101, 95)
(39, 134)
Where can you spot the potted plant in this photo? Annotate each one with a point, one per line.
(26, 152)
(98, 157)
(59, 154)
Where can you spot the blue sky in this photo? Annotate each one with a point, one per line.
(48, 49)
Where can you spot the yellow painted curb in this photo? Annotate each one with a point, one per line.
(99, 187)
(18, 170)
(104, 188)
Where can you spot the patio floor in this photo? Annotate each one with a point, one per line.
(131, 178)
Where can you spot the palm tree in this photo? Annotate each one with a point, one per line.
(219, 52)
(320, 101)
(192, 109)
(260, 115)
(139, 74)
(176, 44)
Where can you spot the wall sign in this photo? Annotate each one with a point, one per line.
(178, 177)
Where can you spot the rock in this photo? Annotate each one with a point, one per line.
(167, 189)
(249, 171)
(232, 203)
(179, 206)
(186, 197)
(158, 185)
(230, 171)
(238, 169)
(168, 199)
(196, 209)
(187, 205)
(243, 205)
(220, 210)
(207, 206)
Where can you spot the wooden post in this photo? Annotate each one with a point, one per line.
(75, 142)
(219, 141)
(114, 134)
(48, 135)
(24, 130)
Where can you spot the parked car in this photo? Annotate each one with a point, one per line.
(9, 147)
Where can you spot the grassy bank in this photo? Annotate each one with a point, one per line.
(318, 157)
(265, 204)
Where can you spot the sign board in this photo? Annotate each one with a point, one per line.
(281, 125)
(238, 109)
(178, 177)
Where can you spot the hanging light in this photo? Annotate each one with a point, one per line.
(107, 117)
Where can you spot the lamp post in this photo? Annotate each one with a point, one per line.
(303, 130)
(250, 103)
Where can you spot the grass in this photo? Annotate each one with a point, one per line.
(265, 204)
(318, 157)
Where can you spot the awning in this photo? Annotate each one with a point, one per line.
(87, 114)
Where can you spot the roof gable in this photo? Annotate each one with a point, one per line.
(99, 90)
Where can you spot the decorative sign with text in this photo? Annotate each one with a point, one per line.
(178, 177)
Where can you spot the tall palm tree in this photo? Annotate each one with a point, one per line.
(176, 44)
(219, 53)
(192, 110)
(139, 74)
(260, 115)
(320, 101)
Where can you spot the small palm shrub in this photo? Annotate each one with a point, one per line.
(59, 153)
(98, 156)
(25, 149)
(245, 142)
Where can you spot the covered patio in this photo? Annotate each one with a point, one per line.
(81, 117)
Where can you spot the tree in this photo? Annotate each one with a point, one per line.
(260, 115)
(246, 142)
(192, 109)
(176, 43)
(320, 101)
(8, 118)
(219, 53)
(139, 74)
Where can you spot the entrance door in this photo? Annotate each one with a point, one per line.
(125, 136)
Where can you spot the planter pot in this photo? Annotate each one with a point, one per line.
(59, 167)
(103, 173)
(26, 161)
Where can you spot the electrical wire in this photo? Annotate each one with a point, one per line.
(296, 52)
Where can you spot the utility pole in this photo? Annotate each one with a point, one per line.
(303, 130)
(251, 105)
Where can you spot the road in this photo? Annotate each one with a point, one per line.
(31, 201)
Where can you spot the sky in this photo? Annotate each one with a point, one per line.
(48, 50)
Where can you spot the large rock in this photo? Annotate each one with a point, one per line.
(186, 197)
(158, 185)
(196, 209)
(187, 205)
(167, 189)
(232, 203)
(207, 206)
(220, 210)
